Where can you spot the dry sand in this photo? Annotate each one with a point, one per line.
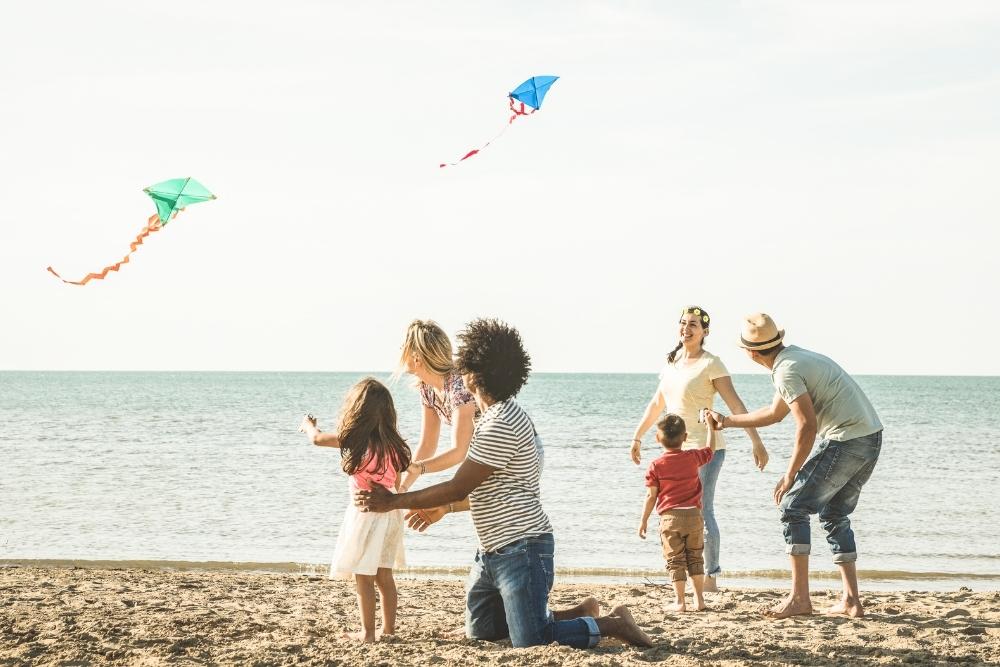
(81, 616)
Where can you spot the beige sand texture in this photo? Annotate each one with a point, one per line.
(73, 616)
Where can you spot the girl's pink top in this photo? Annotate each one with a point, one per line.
(364, 478)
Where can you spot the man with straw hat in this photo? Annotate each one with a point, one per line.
(825, 401)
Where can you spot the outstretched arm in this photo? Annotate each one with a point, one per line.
(724, 385)
(765, 416)
(430, 431)
(317, 437)
(468, 476)
(461, 436)
(653, 410)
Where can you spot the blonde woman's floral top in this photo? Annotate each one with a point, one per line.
(455, 396)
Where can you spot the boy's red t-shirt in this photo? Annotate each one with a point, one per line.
(675, 477)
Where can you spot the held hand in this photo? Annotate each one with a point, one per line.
(781, 488)
(379, 499)
(642, 530)
(420, 520)
(635, 452)
(711, 421)
(760, 457)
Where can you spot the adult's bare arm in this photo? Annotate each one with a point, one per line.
(804, 412)
(653, 410)
(727, 391)
(468, 476)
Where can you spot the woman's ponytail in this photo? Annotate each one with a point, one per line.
(673, 352)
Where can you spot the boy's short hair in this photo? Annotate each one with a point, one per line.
(673, 429)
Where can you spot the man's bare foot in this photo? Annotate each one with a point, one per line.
(620, 625)
(680, 606)
(710, 585)
(846, 607)
(700, 605)
(390, 634)
(588, 607)
(790, 606)
(361, 636)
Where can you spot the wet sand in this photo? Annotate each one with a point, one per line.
(152, 617)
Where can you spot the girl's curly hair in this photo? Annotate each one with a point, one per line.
(492, 353)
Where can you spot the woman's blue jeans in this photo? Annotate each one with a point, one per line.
(507, 595)
(709, 474)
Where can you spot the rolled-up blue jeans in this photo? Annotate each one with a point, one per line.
(829, 484)
(507, 595)
(709, 474)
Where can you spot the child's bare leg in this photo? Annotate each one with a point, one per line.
(698, 583)
(365, 585)
(680, 604)
(387, 590)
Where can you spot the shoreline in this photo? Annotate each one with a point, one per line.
(871, 580)
(129, 616)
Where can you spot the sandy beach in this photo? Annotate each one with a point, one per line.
(96, 616)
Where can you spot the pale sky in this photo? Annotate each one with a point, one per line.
(835, 164)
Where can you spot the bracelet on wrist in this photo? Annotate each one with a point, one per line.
(423, 467)
(637, 440)
(451, 508)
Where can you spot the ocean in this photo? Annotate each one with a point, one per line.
(206, 469)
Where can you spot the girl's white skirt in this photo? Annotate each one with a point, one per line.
(368, 541)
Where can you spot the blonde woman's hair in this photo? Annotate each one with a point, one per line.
(428, 342)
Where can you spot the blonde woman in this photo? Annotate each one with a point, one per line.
(427, 355)
(689, 382)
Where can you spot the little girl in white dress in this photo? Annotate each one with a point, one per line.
(370, 544)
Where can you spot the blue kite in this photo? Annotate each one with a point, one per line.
(529, 95)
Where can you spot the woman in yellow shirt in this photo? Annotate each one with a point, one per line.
(689, 382)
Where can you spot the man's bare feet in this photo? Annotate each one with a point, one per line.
(385, 634)
(700, 605)
(361, 636)
(620, 625)
(679, 606)
(850, 607)
(710, 585)
(590, 607)
(790, 606)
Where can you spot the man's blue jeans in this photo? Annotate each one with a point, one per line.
(507, 595)
(709, 474)
(829, 484)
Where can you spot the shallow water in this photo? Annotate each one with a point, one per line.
(208, 467)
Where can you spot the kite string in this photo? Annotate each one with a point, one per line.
(515, 113)
(154, 224)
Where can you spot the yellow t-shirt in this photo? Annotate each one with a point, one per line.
(686, 389)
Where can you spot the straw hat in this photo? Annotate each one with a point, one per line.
(759, 332)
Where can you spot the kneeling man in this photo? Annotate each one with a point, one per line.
(509, 584)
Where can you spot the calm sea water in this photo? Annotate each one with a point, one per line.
(193, 467)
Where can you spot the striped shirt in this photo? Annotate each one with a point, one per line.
(507, 507)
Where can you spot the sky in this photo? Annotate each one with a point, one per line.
(834, 164)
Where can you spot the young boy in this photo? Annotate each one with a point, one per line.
(674, 487)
